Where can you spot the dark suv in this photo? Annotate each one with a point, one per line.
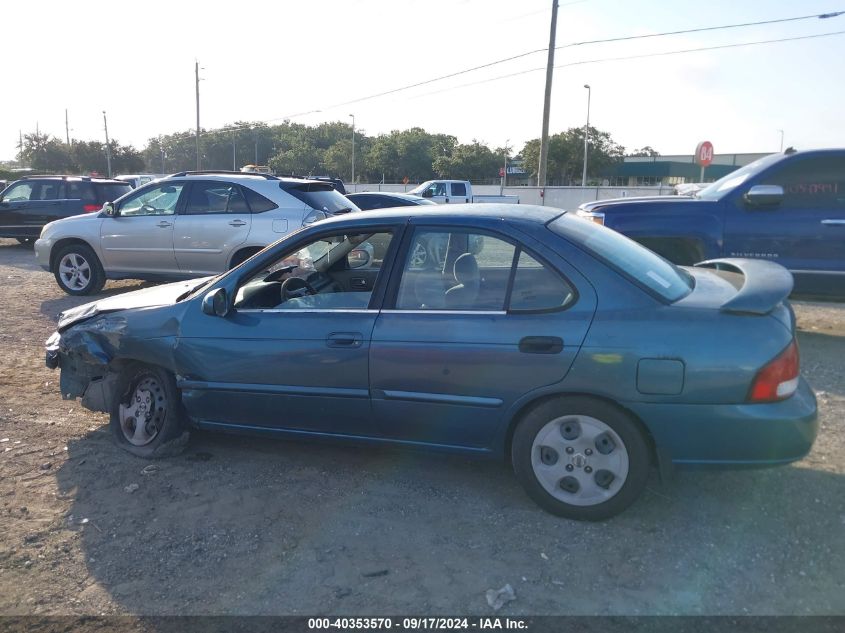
(28, 204)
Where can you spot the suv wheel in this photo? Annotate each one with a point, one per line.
(78, 271)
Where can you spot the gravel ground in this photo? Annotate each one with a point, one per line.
(250, 526)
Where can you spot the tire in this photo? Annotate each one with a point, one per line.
(149, 391)
(26, 242)
(580, 458)
(78, 270)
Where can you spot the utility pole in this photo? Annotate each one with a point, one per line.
(505, 170)
(20, 145)
(547, 104)
(108, 146)
(781, 140)
(586, 133)
(197, 77)
(67, 129)
(353, 148)
(234, 159)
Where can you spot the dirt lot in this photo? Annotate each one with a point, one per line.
(246, 526)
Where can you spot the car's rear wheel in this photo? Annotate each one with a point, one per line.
(78, 271)
(580, 458)
(146, 416)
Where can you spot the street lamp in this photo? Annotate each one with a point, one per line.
(353, 148)
(586, 132)
(781, 140)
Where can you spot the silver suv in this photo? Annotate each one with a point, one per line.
(190, 224)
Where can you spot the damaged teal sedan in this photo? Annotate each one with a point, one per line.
(518, 332)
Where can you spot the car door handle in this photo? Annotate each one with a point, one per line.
(164, 224)
(358, 283)
(237, 223)
(345, 339)
(833, 222)
(541, 345)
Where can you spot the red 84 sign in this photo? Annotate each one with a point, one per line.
(704, 153)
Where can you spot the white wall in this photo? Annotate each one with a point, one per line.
(561, 197)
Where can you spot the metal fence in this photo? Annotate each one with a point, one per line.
(561, 197)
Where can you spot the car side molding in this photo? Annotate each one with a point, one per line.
(765, 284)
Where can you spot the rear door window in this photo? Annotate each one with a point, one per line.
(81, 190)
(215, 197)
(459, 189)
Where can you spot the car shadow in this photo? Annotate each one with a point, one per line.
(249, 526)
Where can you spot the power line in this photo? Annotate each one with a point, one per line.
(584, 43)
(629, 57)
(569, 45)
(821, 16)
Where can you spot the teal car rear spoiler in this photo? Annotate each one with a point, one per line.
(765, 284)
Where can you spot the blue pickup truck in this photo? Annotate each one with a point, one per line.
(788, 208)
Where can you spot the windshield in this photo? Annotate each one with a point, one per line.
(731, 181)
(626, 256)
(416, 191)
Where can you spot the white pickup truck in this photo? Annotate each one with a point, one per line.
(455, 192)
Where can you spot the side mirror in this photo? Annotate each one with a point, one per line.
(428, 193)
(109, 210)
(764, 195)
(216, 303)
(358, 258)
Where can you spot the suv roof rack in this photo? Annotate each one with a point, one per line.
(225, 172)
(54, 176)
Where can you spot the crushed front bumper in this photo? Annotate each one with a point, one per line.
(82, 375)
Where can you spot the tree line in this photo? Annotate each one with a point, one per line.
(326, 149)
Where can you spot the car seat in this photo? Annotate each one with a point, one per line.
(463, 295)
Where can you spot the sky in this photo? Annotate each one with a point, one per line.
(306, 61)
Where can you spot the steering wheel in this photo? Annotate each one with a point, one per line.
(295, 287)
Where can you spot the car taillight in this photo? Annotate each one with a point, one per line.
(778, 379)
(90, 208)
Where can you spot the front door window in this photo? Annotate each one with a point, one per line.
(159, 200)
(332, 272)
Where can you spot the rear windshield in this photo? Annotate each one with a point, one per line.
(629, 258)
(109, 192)
(320, 196)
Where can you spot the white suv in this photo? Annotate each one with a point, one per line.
(190, 224)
